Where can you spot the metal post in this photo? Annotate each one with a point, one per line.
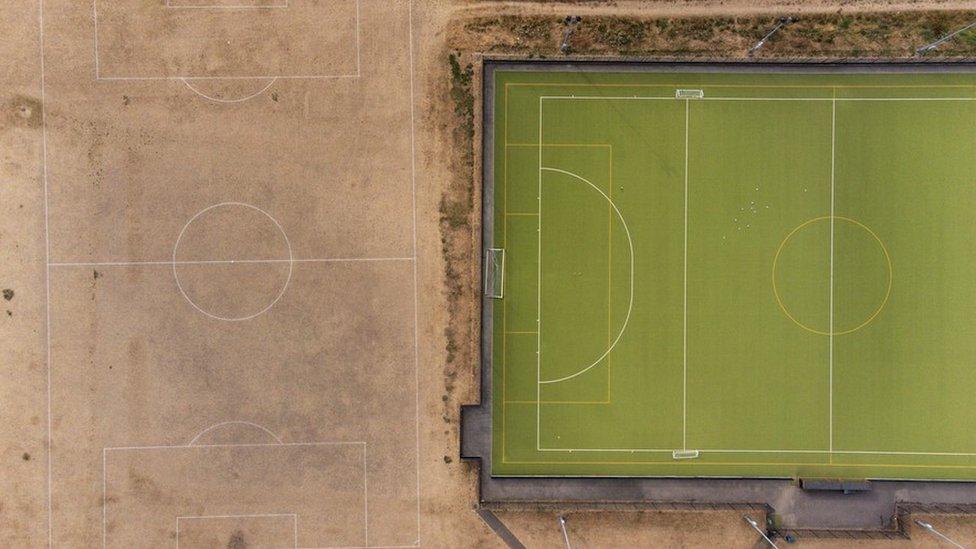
(570, 22)
(929, 47)
(755, 526)
(782, 23)
(938, 534)
(562, 525)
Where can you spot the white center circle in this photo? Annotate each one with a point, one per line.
(225, 208)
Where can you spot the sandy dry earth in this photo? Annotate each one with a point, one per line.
(226, 298)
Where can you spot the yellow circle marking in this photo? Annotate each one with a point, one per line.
(876, 312)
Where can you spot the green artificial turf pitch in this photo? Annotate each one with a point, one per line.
(779, 275)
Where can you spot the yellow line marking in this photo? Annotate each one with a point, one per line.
(513, 214)
(514, 333)
(786, 311)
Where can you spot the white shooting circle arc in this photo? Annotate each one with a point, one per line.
(270, 433)
(220, 100)
(630, 299)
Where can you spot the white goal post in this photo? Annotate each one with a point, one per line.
(495, 273)
(689, 94)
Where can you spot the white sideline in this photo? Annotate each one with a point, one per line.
(538, 320)
(830, 450)
(830, 307)
(416, 279)
(221, 100)
(769, 451)
(684, 303)
(47, 276)
(671, 98)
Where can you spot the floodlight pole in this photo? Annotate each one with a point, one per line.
(562, 526)
(934, 532)
(755, 526)
(782, 23)
(929, 47)
(571, 21)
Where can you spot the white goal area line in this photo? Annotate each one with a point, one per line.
(292, 516)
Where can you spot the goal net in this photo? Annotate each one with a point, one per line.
(689, 94)
(495, 273)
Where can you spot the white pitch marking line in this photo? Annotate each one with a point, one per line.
(168, 263)
(684, 332)
(365, 504)
(253, 515)
(47, 276)
(220, 100)
(95, 22)
(235, 422)
(538, 348)
(254, 77)
(292, 516)
(230, 445)
(359, 65)
(830, 330)
(630, 301)
(671, 98)
(774, 451)
(237, 7)
(416, 279)
(105, 504)
(290, 263)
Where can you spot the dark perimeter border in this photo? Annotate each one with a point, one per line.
(877, 512)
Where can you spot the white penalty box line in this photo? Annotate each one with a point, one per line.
(185, 78)
(194, 446)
